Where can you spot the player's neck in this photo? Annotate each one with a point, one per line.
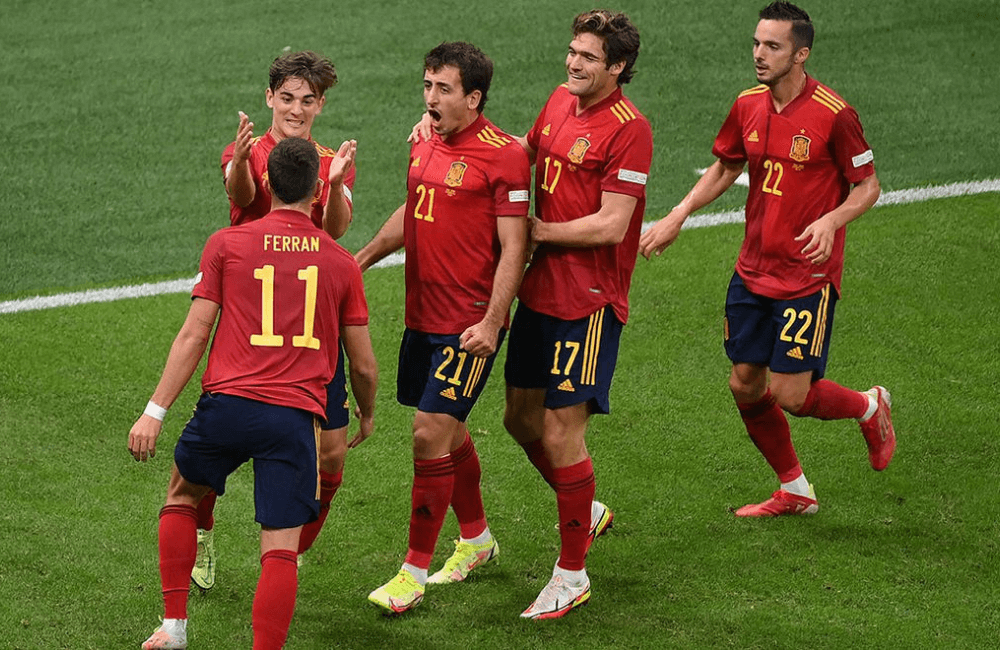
(305, 206)
(583, 102)
(788, 88)
(466, 122)
(277, 137)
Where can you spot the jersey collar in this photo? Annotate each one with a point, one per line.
(466, 134)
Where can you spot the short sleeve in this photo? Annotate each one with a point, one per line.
(353, 305)
(850, 149)
(630, 155)
(227, 157)
(728, 145)
(208, 282)
(512, 189)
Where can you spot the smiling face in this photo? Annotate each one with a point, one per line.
(588, 75)
(449, 108)
(294, 106)
(774, 52)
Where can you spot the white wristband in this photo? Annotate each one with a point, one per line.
(155, 411)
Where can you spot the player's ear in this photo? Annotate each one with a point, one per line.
(616, 68)
(474, 98)
(802, 55)
(269, 97)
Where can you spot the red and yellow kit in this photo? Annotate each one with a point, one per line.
(802, 162)
(456, 190)
(606, 148)
(288, 288)
(260, 149)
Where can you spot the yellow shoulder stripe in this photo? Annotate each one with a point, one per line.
(491, 137)
(622, 112)
(756, 90)
(829, 96)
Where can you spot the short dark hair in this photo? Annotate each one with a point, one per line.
(621, 38)
(292, 169)
(802, 27)
(318, 71)
(475, 69)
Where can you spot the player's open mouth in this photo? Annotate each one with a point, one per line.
(435, 115)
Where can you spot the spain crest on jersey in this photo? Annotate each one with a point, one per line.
(455, 174)
(800, 148)
(578, 150)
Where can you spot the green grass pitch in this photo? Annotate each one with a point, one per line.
(115, 115)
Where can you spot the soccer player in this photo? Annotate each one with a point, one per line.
(811, 173)
(592, 150)
(296, 95)
(465, 230)
(283, 293)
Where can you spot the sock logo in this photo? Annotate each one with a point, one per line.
(423, 512)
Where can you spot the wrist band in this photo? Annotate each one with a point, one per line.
(155, 411)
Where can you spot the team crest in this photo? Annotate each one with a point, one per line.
(578, 150)
(800, 148)
(455, 174)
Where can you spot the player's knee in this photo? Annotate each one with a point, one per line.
(790, 400)
(429, 441)
(331, 461)
(514, 422)
(332, 450)
(743, 392)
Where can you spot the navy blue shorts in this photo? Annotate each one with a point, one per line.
(573, 360)
(787, 336)
(437, 376)
(338, 409)
(227, 431)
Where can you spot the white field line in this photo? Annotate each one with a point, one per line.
(898, 197)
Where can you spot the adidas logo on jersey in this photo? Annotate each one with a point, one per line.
(753, 137)
(547, 129)
(416, 162)
(567, 386)
(795, 353)
(449, 393)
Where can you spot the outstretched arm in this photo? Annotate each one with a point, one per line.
(717, 179)
(185, 353)
(389, 239)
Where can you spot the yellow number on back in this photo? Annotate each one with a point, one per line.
(267, 338)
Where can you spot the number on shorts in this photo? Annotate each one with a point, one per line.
(449, 356)
(792, 317)
(573, 347)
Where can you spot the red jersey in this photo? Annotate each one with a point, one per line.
(455, 191)
(606, 148)
(802, 162)
(285, 289)
(260, 149)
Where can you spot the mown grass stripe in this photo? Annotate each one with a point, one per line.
(897, 197)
